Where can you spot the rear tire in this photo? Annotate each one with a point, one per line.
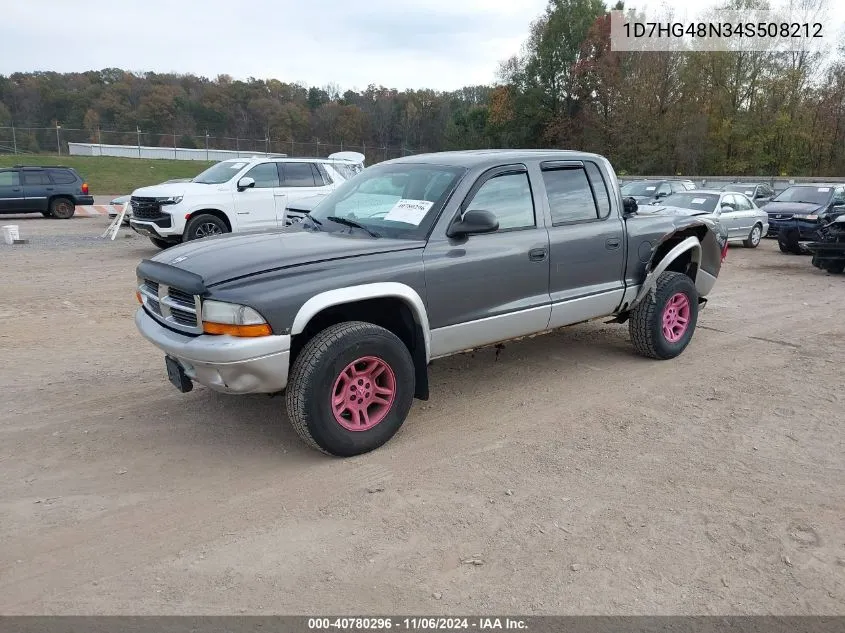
(662, 325)
(350, 388)
(62, 208)
(753, 239)
(788, 242)
(162, 244)
(204, 225)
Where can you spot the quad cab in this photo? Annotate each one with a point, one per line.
(416, 259)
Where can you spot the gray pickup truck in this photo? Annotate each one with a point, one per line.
(415, 259)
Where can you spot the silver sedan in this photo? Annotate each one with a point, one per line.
(735, 211)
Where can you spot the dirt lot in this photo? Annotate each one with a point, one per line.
(581, 477)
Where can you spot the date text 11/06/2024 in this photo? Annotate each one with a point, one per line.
(415, 624)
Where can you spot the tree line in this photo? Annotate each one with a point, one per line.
(715, 113)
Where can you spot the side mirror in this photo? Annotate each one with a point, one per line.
(245, 183)
(474, 222)
(629, 206)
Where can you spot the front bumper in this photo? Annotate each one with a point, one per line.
(807, 229)
(223, 363)
(161, 228)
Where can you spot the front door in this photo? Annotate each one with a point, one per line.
(256, 206)
(11, 192)
(486, 288)
(587, 243)
(745, 215)
(731, 219)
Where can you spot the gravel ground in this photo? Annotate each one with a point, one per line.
(568, 477)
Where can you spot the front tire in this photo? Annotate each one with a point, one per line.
(662, 325)
(350, 389)
(62, 208)
(753, 239)
(204, 225)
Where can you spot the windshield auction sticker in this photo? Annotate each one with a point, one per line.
(409, 211)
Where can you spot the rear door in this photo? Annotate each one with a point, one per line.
(37, 188)
(587, 242)
(486, 288)
(11, 191)
(300, 180)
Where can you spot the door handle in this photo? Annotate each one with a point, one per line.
(537, 254)
(612, 243)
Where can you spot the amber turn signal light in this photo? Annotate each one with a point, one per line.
(237, 330)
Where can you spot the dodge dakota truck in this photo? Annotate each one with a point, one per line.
(414, 259)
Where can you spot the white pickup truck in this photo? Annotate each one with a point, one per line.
(236, 195)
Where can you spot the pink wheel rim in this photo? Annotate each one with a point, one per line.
(676, 316)
(363, 394)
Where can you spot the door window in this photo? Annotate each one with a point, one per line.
(729, 200)
(35, 178)
(570, 196)
(508, 197)
(298, 175)
(743, 203)
(266, 175)
(9, 179)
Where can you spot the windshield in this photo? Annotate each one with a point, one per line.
(221, 172)
(640, 188)
(748, 190)
(704, 202)
(394, 200)
(810, 195)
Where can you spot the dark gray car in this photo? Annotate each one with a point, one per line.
(415, 259)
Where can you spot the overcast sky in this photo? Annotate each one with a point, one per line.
(440, 44)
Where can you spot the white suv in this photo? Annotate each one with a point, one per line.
(235, 195)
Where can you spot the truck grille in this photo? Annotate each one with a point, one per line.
(146, 208)
(175, 308)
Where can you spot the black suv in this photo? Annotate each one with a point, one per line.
(52, 190)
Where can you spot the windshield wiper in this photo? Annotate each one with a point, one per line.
(352, 223)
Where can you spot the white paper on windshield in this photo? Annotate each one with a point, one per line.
(650, 188)
(748, 193)
(824, 189)
(409, 211)
(237, 165)
(699, 200)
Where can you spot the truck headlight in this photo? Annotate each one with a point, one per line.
(219, 317)
(170, 200)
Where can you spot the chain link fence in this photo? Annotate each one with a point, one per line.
(54, 140)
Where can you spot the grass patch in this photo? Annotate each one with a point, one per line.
(107, 175)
